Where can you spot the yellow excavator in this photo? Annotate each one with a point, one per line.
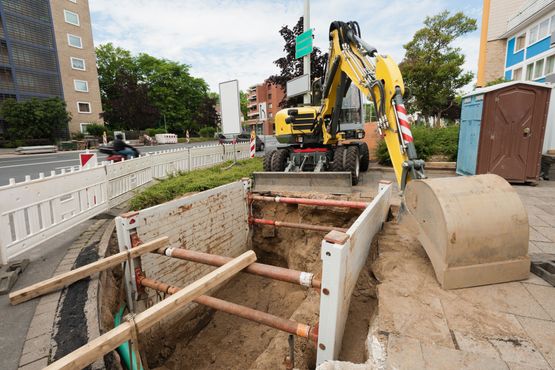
(474, 229)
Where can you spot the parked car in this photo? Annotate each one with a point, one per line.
(241, 138)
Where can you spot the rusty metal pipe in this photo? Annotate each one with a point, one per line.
(288, 326)
(292, 225)
(311, 202)
(273, 272)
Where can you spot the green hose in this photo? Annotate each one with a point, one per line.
(123, 349)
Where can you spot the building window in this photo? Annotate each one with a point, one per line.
(552, 28)
(538, 69)
(73, 1)
(544, 29)
(83, 107)
(74, 41)
(550, 65)
(269, 96)
(83, 127)
(81, 86)
(71, 17)
(270, 115)
(517, 74)
(78, 63)
(520, 42)
(533, 35)
(270, 106)
(530, 71)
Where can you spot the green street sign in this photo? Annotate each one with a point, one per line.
(303, 44)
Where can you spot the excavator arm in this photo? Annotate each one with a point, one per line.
(353, 61)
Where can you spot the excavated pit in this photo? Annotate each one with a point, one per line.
(208, 339)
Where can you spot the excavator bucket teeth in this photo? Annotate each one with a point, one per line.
(474, 229)
(317, 182)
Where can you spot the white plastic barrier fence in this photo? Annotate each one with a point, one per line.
(341, 265)
(166, 138)
(34, 211)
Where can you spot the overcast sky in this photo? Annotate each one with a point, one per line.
(238, 39)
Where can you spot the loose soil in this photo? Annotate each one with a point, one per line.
(228, 342)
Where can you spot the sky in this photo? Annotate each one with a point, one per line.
(238, 39)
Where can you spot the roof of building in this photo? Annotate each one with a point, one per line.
(483, 90)
(530, 12)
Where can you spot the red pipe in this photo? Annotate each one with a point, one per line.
(292, 225)
(288, 326)
(311, 202)
(273, 272)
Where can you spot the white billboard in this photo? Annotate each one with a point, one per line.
(298, 86)
(262, 112)
(230, 105)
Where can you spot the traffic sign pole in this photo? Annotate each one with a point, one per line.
(306, 58)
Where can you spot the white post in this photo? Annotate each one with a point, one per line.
(306, 58)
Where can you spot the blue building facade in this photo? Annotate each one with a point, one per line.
(530, 55)
(29, 66)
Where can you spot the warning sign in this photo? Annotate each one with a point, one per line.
(87, 160)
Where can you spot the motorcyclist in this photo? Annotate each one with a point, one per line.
(121, 147)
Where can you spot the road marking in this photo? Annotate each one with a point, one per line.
(39, 163)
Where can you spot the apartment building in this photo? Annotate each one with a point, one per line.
(518, 41)
(262, 106)
(47, 50)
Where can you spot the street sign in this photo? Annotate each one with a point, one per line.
(262, 112)
(87, 159)
(298, 86)
(303, 44)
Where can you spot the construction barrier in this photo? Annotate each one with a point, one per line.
(34, 211)
(343, 257)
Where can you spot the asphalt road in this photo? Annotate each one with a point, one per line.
(19, 166)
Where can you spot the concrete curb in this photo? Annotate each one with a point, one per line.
(39, 344)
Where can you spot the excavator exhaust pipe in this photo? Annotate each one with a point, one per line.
(474, 229)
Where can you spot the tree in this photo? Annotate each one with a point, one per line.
(432, 67)
(35, 119)
(291, 67)
(163, 89)
(95, 129)
(130, 106)
(243, 97)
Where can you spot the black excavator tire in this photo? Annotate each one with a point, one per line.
(279, 160)
(268, 160)
(352, 163)
(338, 158)
(364, 157)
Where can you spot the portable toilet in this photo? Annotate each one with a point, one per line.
(502, 130)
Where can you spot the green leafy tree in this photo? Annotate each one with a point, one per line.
(165, 88)
(433, 68)
(95, 129)
(35, 119)
(291, 67)
(243, 97)
(130, 107)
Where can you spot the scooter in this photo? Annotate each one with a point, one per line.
(115, 156)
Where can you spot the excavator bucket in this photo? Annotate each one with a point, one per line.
(474, 229)
(317, 182)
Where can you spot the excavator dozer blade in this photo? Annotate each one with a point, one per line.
(474, 229)
(314, 182)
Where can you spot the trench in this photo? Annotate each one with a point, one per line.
(209, 339)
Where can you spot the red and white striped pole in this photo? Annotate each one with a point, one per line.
(404, 124)
(253, 143)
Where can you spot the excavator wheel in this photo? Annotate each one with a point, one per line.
(364, 157)
(279, 160)
(268, 160)
(338, 159)
(474, 229)
(352, 162)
